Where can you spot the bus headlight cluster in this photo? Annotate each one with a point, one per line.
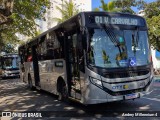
(96, 81)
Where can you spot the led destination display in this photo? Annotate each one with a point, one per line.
(116, 20)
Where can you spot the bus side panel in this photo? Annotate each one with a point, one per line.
(50, 71)
(59, 70)
(44, 74)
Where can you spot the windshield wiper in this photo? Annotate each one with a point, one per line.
(113, 38)
(137, 36)
(135, 39)
(111, 35)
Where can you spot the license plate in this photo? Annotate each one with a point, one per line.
(131, 96)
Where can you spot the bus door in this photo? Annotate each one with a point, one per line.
(73, 67)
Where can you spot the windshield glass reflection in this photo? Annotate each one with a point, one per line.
(11, 62)
(118, 48)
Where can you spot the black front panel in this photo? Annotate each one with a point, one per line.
(121, 72)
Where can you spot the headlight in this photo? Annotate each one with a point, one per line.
(96, 81)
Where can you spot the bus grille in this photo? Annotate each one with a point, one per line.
(125, 74)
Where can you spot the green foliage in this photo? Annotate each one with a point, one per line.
(125, 5)
(23, 20)
(154, 31)
(96, 9)
(119, 6)
(106, 7)
(152, 15)
(24, 14)
(67, 10)
(8, 42)
(152, 9)
(110, 5)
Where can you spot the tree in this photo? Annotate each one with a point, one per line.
(20, 18)
(6, 7)
(67, 10)
(24, 14)
(108, 7)
(123, 6)
(152, 9)
(152, 15)
(8, 42)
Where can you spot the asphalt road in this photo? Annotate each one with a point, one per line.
(16, 97)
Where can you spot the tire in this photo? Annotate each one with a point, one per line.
(63, 93)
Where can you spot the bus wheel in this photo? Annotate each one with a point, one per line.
(63, 93)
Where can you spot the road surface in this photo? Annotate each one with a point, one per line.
(16, 97)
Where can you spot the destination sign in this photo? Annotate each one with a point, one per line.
(117, 20)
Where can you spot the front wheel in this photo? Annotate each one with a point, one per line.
(63, 93)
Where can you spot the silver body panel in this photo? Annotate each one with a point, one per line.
(94, 94)
(48, 74)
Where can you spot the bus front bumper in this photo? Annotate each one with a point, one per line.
(95, 95)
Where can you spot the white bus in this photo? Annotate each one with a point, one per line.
(94, 57)
(9, 63)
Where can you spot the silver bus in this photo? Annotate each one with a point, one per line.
(94, 57)
(9, 64)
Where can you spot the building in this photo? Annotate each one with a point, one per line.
(83, 5)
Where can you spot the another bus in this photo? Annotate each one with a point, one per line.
(94, 57)
(9, 65)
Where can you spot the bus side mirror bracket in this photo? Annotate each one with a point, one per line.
(84, 38)
(84, 41)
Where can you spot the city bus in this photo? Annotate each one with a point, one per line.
(93, 57)
(9, 64)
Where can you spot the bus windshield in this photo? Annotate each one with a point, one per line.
(10, 62)
(110, 48)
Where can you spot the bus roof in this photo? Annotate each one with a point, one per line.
(73, 17)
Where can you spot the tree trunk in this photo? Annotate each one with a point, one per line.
(6, 9)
